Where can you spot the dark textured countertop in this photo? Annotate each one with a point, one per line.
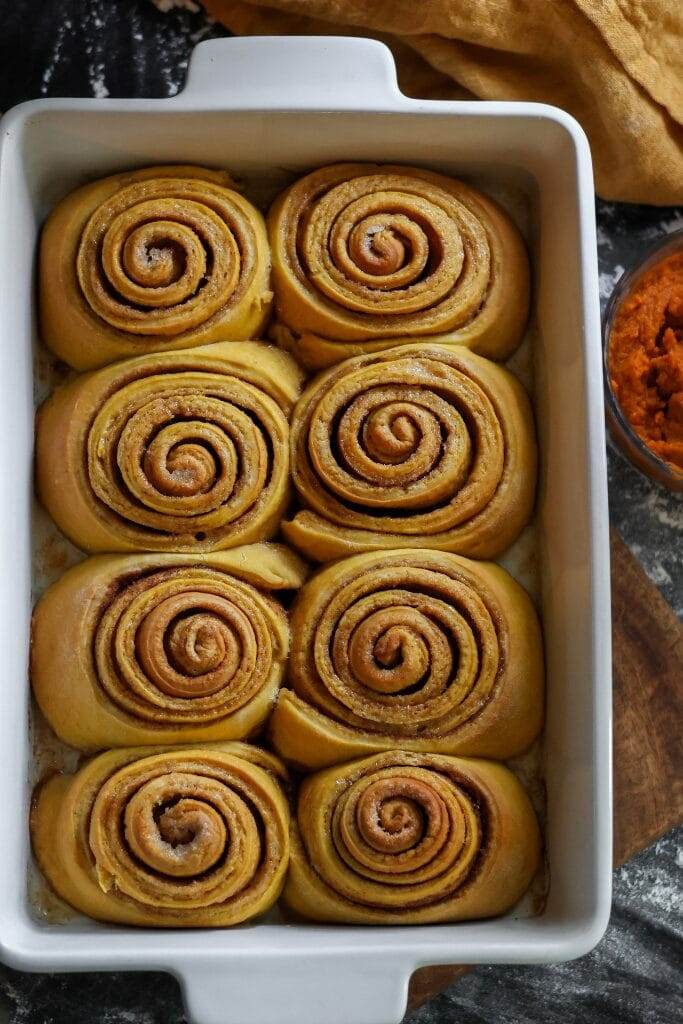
(129, 48)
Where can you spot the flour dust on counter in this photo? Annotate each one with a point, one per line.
(632, 977)
(99, 48)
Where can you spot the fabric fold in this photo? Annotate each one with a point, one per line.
(616, 67)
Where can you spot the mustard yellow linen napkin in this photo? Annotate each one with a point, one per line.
(616, 65)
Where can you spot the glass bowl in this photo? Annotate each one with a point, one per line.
(635, 450)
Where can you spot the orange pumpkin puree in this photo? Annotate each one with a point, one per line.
(646, 358)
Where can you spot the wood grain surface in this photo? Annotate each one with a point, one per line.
(647, 642)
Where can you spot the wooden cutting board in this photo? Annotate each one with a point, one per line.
(647, 642)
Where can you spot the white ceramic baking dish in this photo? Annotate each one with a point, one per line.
(254, 106)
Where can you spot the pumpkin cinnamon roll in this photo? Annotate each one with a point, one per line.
(367, 257)
(182, 451)
(166, 838)
(152, 260)
(418, 650)
(420, 446)
(403, 838)
(163, 648)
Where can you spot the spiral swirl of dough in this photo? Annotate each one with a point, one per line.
(183, 451)
(163, 648)
(405, 838)
(416, 446)
(164, 257)
(366, 257)
(415, 649)
(173, 837)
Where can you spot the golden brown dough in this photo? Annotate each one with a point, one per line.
(152, 260)
(415, 649)
(166, 837)
(367, 257)
(163, 648)
(419, 446)
(182, 451)
(403, 838)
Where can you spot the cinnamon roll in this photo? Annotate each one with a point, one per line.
(175, 837)
(164, 648)
(419, 446)
(152, 260)
(183, 451)
(367, 257)
(403, 838)
(416, 649)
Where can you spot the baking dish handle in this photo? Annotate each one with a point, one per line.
(303, 72)
(292, 990)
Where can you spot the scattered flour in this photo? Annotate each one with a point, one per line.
(664, 511)
(664, 227)
(603, 238)
(652, 881)
(63, 30)
(659, 575)
(607, 281)
(96, 74)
